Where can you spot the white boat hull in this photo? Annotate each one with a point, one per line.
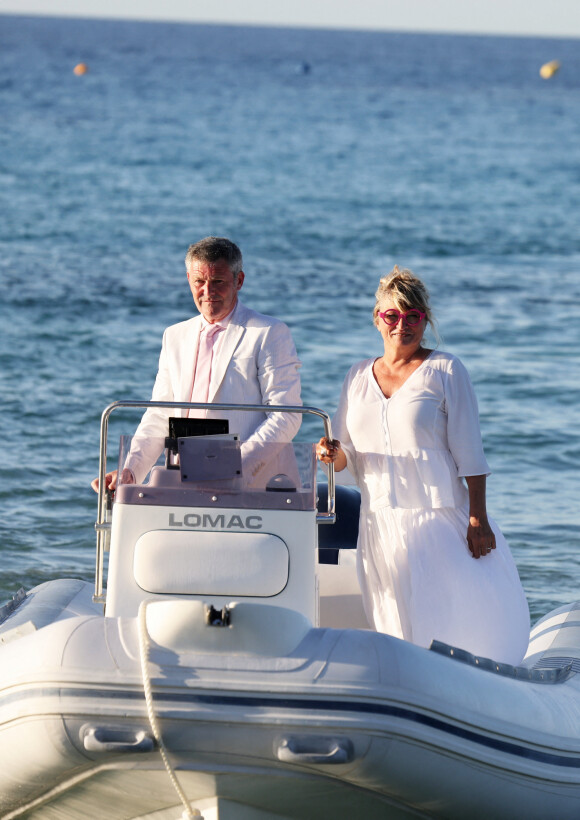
(345, 723)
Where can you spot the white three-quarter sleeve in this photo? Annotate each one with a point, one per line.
(463, 431)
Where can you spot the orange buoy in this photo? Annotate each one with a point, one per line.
(549, 69)
(81, 68)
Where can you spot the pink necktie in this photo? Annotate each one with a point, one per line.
(202, 378)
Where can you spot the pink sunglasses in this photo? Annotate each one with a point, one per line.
(411, 317)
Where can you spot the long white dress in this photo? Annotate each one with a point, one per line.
(408, 454)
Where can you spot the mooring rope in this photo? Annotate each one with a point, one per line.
(153, 722)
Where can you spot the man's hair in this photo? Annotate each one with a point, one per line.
(215, 249)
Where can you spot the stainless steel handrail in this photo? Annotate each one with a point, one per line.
(102, 526)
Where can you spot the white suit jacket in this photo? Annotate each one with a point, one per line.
(256, 364)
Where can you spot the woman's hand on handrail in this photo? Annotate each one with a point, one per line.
(329, 451)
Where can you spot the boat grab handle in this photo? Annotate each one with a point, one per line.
(105, 739)
(315, 749)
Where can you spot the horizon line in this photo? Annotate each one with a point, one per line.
(282, 25)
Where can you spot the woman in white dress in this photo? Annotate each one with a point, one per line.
(407, 428)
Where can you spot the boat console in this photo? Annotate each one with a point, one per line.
(218, 521)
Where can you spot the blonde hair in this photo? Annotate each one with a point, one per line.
(406, 290)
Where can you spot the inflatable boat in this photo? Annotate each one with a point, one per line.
(227, 671)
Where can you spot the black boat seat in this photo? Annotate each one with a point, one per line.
(344, 533)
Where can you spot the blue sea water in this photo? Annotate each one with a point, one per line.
(328, 156)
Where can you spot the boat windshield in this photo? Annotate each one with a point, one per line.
(222, 463)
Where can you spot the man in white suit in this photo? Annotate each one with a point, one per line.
(254, 361)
